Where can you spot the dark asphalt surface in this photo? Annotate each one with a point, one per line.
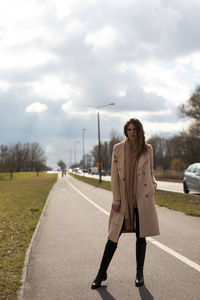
(176, 187)
(68, 246)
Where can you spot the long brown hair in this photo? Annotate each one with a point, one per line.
(140, 137)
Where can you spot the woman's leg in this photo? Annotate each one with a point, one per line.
(106, 259)
(140, 253)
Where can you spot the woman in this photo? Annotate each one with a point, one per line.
(133, 208)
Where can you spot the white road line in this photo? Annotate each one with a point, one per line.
(151, 240)
(175, 254)
(96, 205)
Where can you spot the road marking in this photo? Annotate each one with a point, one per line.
(175, 254)
(151, 240)
(88, 199)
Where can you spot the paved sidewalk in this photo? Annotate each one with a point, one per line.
(69, 243)
(62, 249)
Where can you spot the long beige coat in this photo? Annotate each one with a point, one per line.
(146, 186)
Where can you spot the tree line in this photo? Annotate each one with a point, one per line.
(22, 157)
(106, 151)
(182, 149)
(176, 152)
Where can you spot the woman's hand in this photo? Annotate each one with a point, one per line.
(116, 205)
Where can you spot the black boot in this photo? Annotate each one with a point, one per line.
(140, 257)
(106, 259)
(139, 280)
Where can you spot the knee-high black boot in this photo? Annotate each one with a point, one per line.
(106, 259)
(140, 257)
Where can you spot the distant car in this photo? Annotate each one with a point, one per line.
(103, 172)
(78, 170)
(94, 171)
(191, 180)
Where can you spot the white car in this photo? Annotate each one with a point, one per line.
(191, 180)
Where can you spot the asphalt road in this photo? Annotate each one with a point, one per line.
(68, 246)
(162, 185)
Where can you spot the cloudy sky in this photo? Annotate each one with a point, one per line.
(58, 57)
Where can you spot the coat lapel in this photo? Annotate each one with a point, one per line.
(121, 154)
(142, 160)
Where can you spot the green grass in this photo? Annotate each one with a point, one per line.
(21, 202)
(188, 204)
(93, 181)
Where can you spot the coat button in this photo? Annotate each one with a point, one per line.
(143, 173)
(146, 196)
(145, 184)
(124, 179)
(139, 174)
(115, 160)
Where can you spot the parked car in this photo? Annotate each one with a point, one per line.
(78, 171)
(94, 171)
(103, 172)
(191, 180)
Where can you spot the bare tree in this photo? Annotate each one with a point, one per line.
(3, 157)
(40, 165)
(36, 153)
(106, 151)
(11, 160)
(160, 152)
(115, 138)
(192, 136)
(18, 157)
(95, 154)
(192, 107)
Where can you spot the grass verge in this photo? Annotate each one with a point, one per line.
(188, 204)
(169, 175)
(21, 202)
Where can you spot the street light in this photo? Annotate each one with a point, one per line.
(76, 142)
(99, 142)
(83, 130)
(70, 157)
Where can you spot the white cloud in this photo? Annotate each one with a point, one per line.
(192, 60)
(63, 8)
(90, 53)
(72, 109)
(163, 80)
(102, 38)
(49, 149)
(36, 107)
(12, 11)
(159, 78)
(54, 87)
(26, 59)
(121, 90)
(73, 27)
(164, 128)
(4, 85)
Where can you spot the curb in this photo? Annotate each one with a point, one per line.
(28, 251)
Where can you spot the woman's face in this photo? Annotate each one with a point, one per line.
(131, 132)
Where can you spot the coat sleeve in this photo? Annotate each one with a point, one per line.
(115, 177)
(152, 172)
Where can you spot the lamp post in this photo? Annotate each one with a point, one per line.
(83, 131)
(70, 157)
(99, 139)
(76, 142)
